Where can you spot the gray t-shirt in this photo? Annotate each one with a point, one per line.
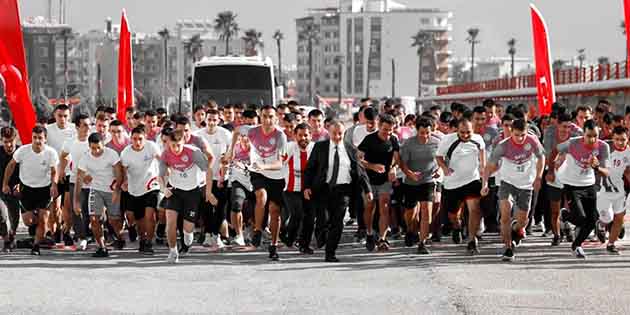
(420, 158)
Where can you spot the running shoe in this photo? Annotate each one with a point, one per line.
(148, 248)
(579, 252)
(256, 238)
(600, 231)
(409, 239)
(370, 243)
(517, 236)
(35, 250)
(306, 250)
(273, 253)
(239, 240)
(383, 245)
(67, 239)
(82, 245)
(612, 249)
(184, 249)
(508, 255)
(173, 257)
(218, 241)
(119, 244)
(209, 240)
(473, 247)
(556, 240)
(457, 236)
(101, 253)
(422, 249)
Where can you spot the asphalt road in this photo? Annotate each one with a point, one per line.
(543, 280)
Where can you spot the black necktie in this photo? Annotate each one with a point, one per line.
(335, 171)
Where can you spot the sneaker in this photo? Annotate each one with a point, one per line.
(141, 246)
(7, 246)
(183, 249)
(517, 236)
(239, 240)
(556, 240)
(67, 239)
(133, 233)
(409, 239)
(273, 253)
(82, 245)
(383, 245)
(473, 247)
(209, 241)
(579, 252)
(219, 242)
(35, 250)
(612, 249)
(457, 236)
(256, 238)
(370, 243)
(350, 222)
(422, 249)
(119, 244)
(101, 253)
(173, 257)
(622, 232)
(508, 255)
(600, 231)
(57, 236)
(306, 250)
(148, 248)
(436, 238)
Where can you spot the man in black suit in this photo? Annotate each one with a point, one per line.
(331, 172)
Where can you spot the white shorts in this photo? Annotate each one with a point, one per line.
(609, 204)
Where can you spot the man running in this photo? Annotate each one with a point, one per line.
(183, 164)
(11, 204)
(140, 172)
(583, 158)
(100, 168)
(521, 160)
(268, 153)
(379, 154)
(462, 158)
(417, 160)
(38, 177)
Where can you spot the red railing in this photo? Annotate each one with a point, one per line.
(602, 72)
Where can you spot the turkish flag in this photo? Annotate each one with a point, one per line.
(542, 56)
(13, 70)
(125, 70)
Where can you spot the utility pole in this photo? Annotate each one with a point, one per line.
(393, 78)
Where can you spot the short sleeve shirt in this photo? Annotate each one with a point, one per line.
(378, 151)
(101, 169)
(576, 169)
(142, 168)
(267, 148)
(35, 168)
(518, 161)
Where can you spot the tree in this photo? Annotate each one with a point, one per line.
(165, 35)
(253, 41)
(423, 40)
(581, 57)
(472, 40)
(512, 51)
(193, 47)
(227, 28)
(558, 64)
(603, 60)
(278, 37)
(310, 34)
(66, 34)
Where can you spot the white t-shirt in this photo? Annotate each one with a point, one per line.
(35, 167)
(576, 169)
(142, 168)
(619, 161)
(360, 132)
(464, 160)
(76, 151)
(518, 161)
(57, 137)
(266, 149)
(219, 143)
(101, 169)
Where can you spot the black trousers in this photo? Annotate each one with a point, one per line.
(9, 214)
(337, 199)
(300, 216)
(583, 210)
(490, 206)
(213, 216)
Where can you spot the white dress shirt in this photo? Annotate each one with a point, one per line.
(344, 176)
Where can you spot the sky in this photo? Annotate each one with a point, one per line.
(573, 24)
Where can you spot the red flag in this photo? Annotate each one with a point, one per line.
(13, 70)
(626, 11)
(125, 70)
(542, 57)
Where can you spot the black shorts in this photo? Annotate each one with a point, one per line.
(63, 187)
(273, 187)
(420, 193)
(35, 198)
(554, 194)
(138, 205)
(124, 201)
(185, 203)
(453, 198)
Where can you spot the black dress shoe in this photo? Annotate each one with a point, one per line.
(332, 259)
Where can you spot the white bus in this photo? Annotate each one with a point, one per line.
(235, 80)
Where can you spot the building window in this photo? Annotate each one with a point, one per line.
(374, 59)
(425, 21)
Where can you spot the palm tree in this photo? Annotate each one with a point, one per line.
(310, 34)
(512, 51)
(253, 41)
(165, 35)
(558, 64)
(472, 40)
(278, 36)
(423, 40)
(603, 60)
(227, 28)
(193, 47)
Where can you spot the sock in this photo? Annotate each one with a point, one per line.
(174, 249)
(188, 238)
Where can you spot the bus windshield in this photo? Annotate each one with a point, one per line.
(231, 84)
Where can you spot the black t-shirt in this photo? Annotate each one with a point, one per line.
(378, 151)
(4, 161)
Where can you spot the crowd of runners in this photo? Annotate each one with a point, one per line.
(238, 175)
